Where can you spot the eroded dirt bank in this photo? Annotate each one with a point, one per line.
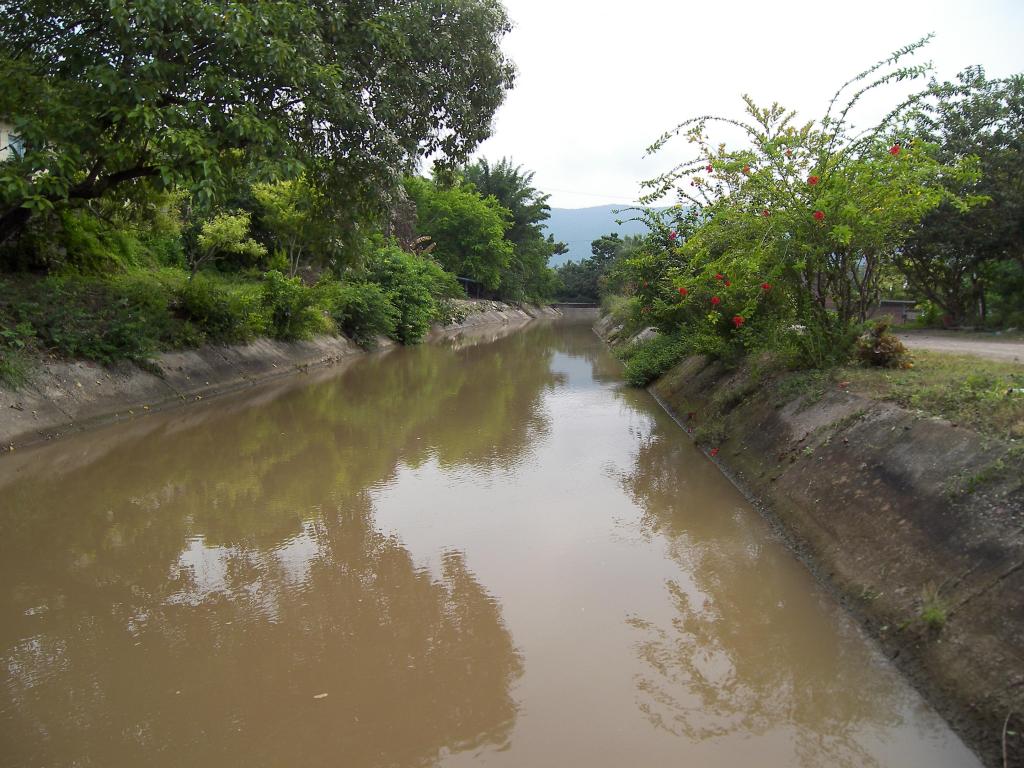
(905, 516)
(65, 396)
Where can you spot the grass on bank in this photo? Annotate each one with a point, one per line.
(985, 395)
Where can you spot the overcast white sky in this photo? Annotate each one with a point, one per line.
(599, 81)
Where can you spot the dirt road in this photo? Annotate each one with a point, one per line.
(991, 347)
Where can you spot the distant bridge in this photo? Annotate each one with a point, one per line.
(575, 305)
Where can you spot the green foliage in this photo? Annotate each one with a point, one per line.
(92, 245)
(513, 187)
(444, 287)
(646, 361)
(965, 259)
(929, 314)
(468, 230)
(362, 311)
(134, 314)
(1004, 292)
(934, 611)
(124, 317)
(298, 219)
(409, 283)
(186, 93)
(711, 431)
(527, 277)
(785, 242)
(442, 284)
(226, 234)
(16, 342)
(89, 240)
(803, 348)
(590, 278)
(217, 310)
(621, 308)
(289, 308)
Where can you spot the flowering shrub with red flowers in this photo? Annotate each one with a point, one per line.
(790, 240)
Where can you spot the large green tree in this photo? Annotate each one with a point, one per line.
(299, 222)
(527, 275)
(467, 229)
(180, 92)
(959, 258)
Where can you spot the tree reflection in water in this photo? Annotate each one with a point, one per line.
(735, 658)
(183, 597)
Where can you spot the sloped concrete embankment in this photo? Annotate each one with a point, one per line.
(66, 396)
(898, 512)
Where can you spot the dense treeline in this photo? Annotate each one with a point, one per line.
(589, 279)
(200, 171)
(787, 243)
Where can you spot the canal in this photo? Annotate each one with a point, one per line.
(484, 551)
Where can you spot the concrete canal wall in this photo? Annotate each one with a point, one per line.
(67, 395)
(905, 516)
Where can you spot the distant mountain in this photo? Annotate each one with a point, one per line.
(577, 227)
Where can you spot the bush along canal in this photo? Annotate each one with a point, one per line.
(487, 551)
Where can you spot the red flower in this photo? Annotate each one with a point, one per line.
(715, 301)
(789, 153)
(672, 235)
(746, 169)
(894, 150)
(766, 287)
(819, 215)
(812, 180)
(766, 212)
(738, 320)
(728, 283)
(682, 290)
(709, 168)
(714, 451)
(719, 276)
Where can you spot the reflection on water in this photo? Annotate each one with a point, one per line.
(747, 648)
(477, 551)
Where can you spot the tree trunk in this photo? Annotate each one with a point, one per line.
(12, 223)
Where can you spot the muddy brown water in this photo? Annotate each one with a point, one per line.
(483, 551)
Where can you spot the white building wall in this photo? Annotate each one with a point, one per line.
(6, 135)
